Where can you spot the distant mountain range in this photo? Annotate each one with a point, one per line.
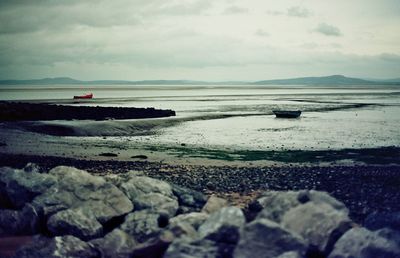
(325, 80)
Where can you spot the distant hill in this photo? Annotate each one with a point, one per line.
(325, 80)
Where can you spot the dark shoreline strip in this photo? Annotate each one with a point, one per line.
(16, 111)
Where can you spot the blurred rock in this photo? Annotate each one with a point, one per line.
(142, 225)
(265, 238)
(116, 244)
(154, 247)
(19, 222)
(189, 248)
(189, 200)
(360, 243)
(376, 221)
(214, 204)
(194, 218)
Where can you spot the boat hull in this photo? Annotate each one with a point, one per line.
(287, 114)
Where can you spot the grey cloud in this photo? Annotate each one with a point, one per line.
(235, 10)
(193, 8)
(298, 11)
(274, 13)
(328, 30)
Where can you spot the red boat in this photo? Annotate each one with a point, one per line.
(87, 96)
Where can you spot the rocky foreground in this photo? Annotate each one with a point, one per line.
(71, 213)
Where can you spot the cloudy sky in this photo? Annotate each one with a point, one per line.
(199, 39)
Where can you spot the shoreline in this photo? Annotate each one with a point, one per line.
(363, 188)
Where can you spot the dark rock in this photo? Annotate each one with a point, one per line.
(116, 244)
(303, 197)
(58, 247)
(183, 229)
(214, 204)
(75, 222)
(190, 199)
(32, 167)
(377, 221)
(154, 247)
(265, 238)
(142, 225)
(22, 187)
(223, 225)
(316, 223)
(19, 222)
(189, 248)
(360, 243)
(139, 157)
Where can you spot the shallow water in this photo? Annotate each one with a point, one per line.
(233, 117)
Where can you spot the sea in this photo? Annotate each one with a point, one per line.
(226, 117)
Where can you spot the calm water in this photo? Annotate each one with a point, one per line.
(233, 117)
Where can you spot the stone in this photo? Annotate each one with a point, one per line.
(75, 222)
(214, 204)
(19, 222)
(181, 229)
(79, 189)
(196, 219)
(316, 223)
(265, 238)
(57, 247)
(20, 187)
(32, 167)
(362, 243)
(150, 193)
(188, 199)
(142, 225)
(154, 247)
(189, 248)
(380, 220)
(223, 225)
(116, 244)
(291, 254)
(276, 203)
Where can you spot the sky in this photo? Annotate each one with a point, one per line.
(211, 40)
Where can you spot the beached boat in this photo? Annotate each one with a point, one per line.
(287, 113)
(86, 96)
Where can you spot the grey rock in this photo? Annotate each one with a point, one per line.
(75, 222)
(389, 234)
(116, 244)
(196, 219)
(315, 223)
(362, 243)
(214, 204)
(32, 167)
(58, 247)
(265, 238)
(223, 225)
(78, 189)
(183, 229)
(142, 225)
(377, 221)
(291, 254)
(19, 222)
(277, 203)
(20, 187)
(189, 200)
(189, 248)
(150, 193)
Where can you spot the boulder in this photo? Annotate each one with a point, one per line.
(196, 219)
(291, 254)
(150, 193)
(142, 225)
(380, 220)
(223, 225)
(189, 200)
(189, 248)
(19, 222)
(75, 222)
(116, 244)
(214, 204)
(20, 187)
(360, 242)
(317, 224)
(181, 229)
(265, 238)
(57, 247)
(154, 247)
(78, 189)
(276, 203)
